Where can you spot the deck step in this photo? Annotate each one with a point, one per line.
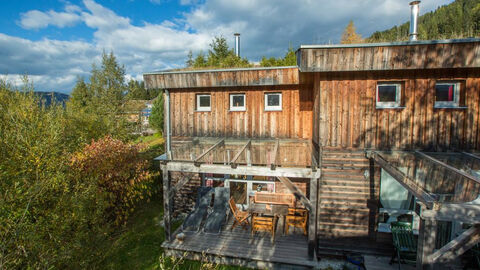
(347, 188)
(357, 220)
(335, 171)
(345, 194)
(340, 232)
(335, 204)
(344, 182)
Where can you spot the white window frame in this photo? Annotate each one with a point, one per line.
(203, 109)
(398, 96)
(273, 108)
(456, 96)
(238, 108)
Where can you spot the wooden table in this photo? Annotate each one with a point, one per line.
(276, 210)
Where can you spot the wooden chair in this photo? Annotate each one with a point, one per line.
(404, 243)
(296, 218)
(265, 223)
(241, 217)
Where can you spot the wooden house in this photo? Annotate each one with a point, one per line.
(360, 134)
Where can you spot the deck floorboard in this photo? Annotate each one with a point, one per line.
(238, 243)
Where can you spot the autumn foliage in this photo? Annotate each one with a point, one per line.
(120, 171)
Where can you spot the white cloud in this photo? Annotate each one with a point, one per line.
(35, 19)
(267, 28)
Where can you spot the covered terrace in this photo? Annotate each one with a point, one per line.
(446, 186)
(284, 162)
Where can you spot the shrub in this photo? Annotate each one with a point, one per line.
(120, 171)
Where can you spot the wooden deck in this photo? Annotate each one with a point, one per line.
(240, 248)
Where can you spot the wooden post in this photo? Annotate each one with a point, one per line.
(167, 204)
(426, 242)
(312, 219)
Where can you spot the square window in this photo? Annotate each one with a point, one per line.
(237, 102)
(203, 103)
(389, 95)
(447, 95)
(273, 101)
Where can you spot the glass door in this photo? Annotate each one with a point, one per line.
(238, 190)
(243, 190)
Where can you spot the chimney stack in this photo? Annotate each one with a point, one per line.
(237, 44)
(415, 10)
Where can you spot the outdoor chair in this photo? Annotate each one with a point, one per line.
(296, 218)
(264, 223)
(404, 243)
(216, 219)
(241, 217)
(194, 219)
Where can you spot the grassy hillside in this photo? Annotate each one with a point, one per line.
(459, 19)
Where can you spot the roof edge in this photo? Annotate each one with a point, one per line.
(386, 44)
(215, 70)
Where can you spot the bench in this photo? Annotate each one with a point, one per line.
(275, 198)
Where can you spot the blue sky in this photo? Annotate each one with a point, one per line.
(56, 41)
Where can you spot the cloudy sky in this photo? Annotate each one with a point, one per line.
(55, 41)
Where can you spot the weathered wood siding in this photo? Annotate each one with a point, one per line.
(417, 55)
(294, 121)
(346, 115)
(222, 78)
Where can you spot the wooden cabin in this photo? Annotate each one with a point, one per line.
(360, 135)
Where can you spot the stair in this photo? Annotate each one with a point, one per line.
(343, 196)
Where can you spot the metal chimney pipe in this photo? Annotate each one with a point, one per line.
(415, 10)
(237, 44)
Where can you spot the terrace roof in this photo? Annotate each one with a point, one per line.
(269, 157)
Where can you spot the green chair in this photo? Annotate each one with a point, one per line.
(404, 243)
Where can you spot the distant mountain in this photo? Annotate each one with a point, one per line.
(460, 19)
(47, 97)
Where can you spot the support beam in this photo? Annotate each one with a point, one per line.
(235, 158)
(185, 179)
(220, 142)
(438, 162)
(297, 192)
(471, 155)
(405, 181)
(242, 170)
(312, 218)
(167, 203)
(457, 246)
(313, 156)
(466, 212)
(426, 242)
(273, 163)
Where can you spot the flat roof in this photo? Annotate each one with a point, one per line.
(172, 71)
(387, 44)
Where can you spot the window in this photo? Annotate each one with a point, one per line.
(447, 95)
(237, 102)
(273, 101)
(389, 95)
(203, 103)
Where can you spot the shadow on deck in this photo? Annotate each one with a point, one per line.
(238, 247)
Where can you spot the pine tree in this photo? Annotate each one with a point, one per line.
(189, 61)
(81, 95)
(350, 35)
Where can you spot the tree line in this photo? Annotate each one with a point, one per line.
(70, 174)
(220, 55)
(460, 19)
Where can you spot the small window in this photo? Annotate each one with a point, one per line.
(237, 102)
(203, 103)
(447, 95)
(273, 101)
(389, 95)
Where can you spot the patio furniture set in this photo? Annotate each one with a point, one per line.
(263, 213)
